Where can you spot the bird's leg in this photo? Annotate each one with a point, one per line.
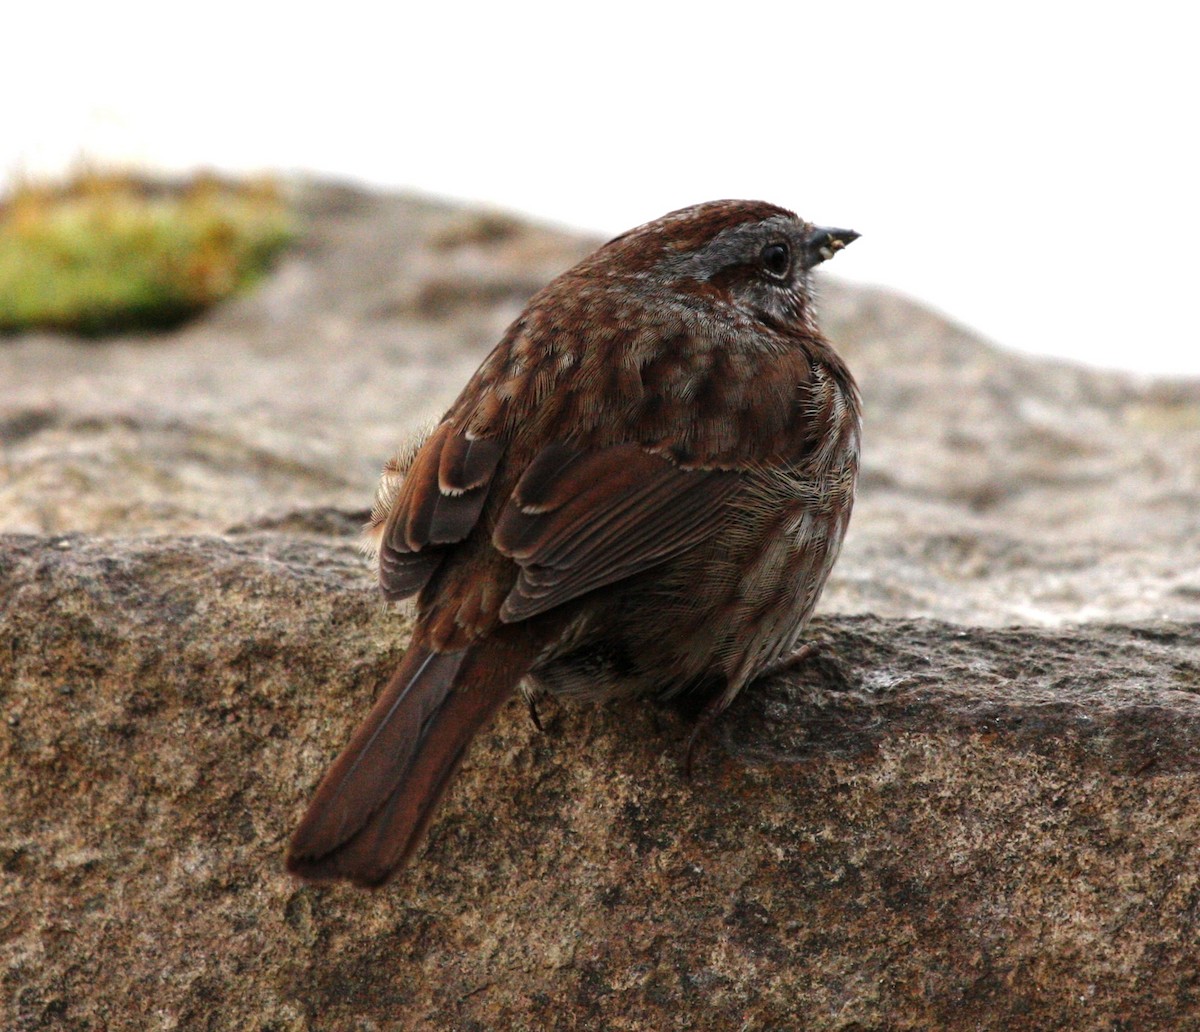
(530, 693)
(712, 710)
(531, 702)
(789, 662)
(720, 702)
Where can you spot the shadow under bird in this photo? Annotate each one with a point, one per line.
(641, 491)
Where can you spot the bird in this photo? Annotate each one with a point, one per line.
(640, 492)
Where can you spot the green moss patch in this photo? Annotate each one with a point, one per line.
(107, 254)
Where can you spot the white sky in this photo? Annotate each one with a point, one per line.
(1029, 168)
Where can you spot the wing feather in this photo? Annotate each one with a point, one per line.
(579, 520)
(440, 502)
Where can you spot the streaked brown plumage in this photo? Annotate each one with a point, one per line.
(642, 490)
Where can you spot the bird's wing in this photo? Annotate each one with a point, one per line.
(578, 520)
(443, 494)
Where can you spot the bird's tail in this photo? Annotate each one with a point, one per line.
(372, 806)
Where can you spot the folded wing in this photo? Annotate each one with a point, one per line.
(439, 504)
(579, 520)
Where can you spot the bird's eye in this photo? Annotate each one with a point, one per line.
(777, 260)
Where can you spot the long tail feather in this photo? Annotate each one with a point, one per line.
(372, 806)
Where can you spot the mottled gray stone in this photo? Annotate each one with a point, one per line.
(943, 821)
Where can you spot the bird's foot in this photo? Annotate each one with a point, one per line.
(792, 661)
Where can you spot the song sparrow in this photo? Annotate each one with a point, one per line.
(642, 490)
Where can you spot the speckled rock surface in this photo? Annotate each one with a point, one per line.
(944, 821)
(932, 826)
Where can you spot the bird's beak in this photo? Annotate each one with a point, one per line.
(822, 244)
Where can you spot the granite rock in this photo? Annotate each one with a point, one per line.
(976, 808)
